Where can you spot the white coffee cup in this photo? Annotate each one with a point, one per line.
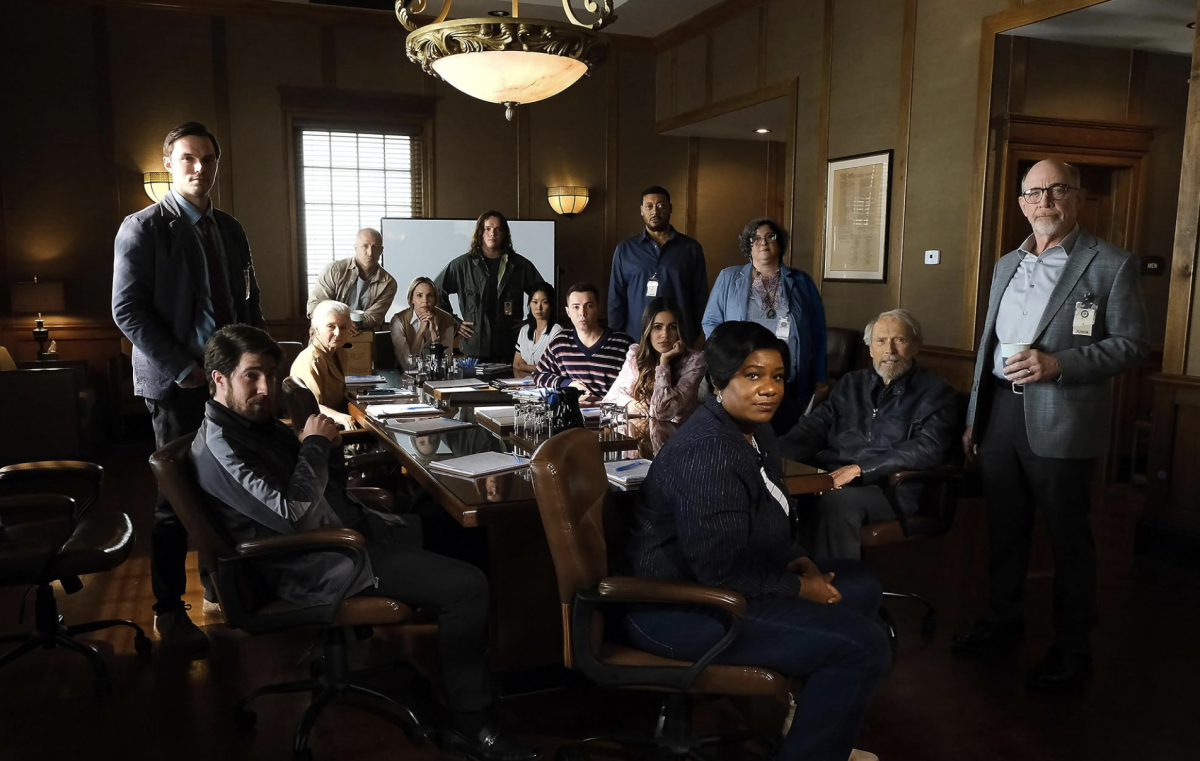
(356, 316)
(1007, 350)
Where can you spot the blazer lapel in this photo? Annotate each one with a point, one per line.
(1004, 274)
(1077, 262)
(740, 293)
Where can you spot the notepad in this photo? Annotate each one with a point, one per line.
(463, 389)
(626, 472)
(426, 426)
(401, 410)
(456, 384)
(482, 464)
(364, 380)
(516, 382)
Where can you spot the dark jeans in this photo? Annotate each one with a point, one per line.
(180, 413)
(457, 593)
(1015, 483)
(839, 649)
(841, 513)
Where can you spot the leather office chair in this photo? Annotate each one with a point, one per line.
(291, 350)
(46, 535)
(937, 504)
(300, 402)
(573, 515)
(247, 606)
(383, 353)
(44, 403)
(841, 352)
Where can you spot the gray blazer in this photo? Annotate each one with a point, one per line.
(157, 283)
(1071, 417)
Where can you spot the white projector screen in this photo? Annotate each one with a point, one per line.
(415, 247)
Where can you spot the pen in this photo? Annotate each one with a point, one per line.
(630, 466)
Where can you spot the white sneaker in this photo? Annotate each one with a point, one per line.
(212, 608)
(862, 755)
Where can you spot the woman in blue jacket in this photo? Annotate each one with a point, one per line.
(781, 299)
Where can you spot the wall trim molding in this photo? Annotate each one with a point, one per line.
(781, 89)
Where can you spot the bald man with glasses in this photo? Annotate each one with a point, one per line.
(1066, 314)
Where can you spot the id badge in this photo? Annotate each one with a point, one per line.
(1085, 318)
(652, 287)
(508, 308)
(784, 328)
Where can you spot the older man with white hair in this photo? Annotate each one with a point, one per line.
(889, 417)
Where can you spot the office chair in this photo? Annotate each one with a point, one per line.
(573, 514)
(47, 536)
(247, 606)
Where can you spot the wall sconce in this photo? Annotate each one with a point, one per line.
(567, 200)
(157, 185)
(35, 298)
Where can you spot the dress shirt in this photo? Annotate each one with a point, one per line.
(1028, 293)
(681, 273)
(206, 321)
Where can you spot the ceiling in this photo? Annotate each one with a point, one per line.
(639, 18)
(1153, 25)
(774, 115)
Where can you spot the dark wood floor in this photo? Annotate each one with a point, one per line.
(1141, 704)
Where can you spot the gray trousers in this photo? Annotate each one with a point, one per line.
(841, 513)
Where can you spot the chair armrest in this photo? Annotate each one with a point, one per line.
(29, 508)
(634, 589)
(343, 539)
(371, 496)
(49, 470)
(892, 484)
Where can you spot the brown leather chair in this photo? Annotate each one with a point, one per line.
(246, 605)
(291, 350)
(46, 536)
(841, 352)
(300, 402)
(573, 510)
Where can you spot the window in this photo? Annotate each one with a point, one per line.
(348, 181)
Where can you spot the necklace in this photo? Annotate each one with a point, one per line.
(767, 289)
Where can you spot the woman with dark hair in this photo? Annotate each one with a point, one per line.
(491, 281)
(661, 376)
(714, 509)
(421, 325)
(783, 300)
(539, 330)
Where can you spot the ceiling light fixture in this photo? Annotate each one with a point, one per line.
(762, 130)
(509, 61)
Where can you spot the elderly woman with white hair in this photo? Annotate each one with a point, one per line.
(879, 420)
(320, 364)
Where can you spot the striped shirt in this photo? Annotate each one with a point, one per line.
(596, 366)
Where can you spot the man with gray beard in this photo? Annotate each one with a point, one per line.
(890, 417)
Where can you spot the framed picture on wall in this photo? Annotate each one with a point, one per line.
(858, 203)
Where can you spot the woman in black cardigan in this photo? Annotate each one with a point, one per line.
(714, 509)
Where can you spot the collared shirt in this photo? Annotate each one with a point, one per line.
(1028, 293)
(206, 322)
(682, 276)
(341, 280)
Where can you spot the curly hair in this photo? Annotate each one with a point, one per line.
(746, 236)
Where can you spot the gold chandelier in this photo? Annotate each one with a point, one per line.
(507, 60)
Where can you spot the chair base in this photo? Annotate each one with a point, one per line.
(928, 619)
(332, 680)
(51, 632)
(674, 737)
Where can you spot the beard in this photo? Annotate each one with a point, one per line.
(891, 370)
(1047, 225)
(660, 226)
(256, 411)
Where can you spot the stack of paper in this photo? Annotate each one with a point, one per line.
(500, 415)
(456, 384)
(627, 473)
(426, 426)
(365, 380)
(482, 464)
(513, 382)
(381, 411)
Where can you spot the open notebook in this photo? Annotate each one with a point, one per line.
(482, 464)
(426, 426)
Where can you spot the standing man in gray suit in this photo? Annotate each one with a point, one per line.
(1066, 314)
(182, 270)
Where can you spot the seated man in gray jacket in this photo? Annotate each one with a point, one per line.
(893, 416)
(265, 481)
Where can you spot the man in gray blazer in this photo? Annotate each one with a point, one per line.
(182, 270)
(1065, 315)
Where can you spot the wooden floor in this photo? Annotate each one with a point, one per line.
(1141, 704)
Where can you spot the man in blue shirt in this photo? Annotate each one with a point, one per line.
(181, 271)
(659, 261)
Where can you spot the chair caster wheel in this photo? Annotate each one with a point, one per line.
(142, 645)
(244, 719)
(419, 735)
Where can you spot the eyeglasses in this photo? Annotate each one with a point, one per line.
(764, 240)
(1058, 192)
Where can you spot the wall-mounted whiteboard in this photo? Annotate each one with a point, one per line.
(415, 247)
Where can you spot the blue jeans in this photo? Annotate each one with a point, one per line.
(839, 649)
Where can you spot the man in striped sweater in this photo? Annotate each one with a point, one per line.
(588, 358)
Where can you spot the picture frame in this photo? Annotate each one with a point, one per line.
(858, 210)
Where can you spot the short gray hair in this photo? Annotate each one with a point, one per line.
(1072, 174)
(332, 307)
(904, 316)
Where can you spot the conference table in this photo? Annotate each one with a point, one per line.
(526, 631)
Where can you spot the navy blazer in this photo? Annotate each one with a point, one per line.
(158, 285)
(704, 513)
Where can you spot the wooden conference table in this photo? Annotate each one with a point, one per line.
(526, 619)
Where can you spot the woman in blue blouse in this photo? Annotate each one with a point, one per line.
(783, 300)
(714, 509)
